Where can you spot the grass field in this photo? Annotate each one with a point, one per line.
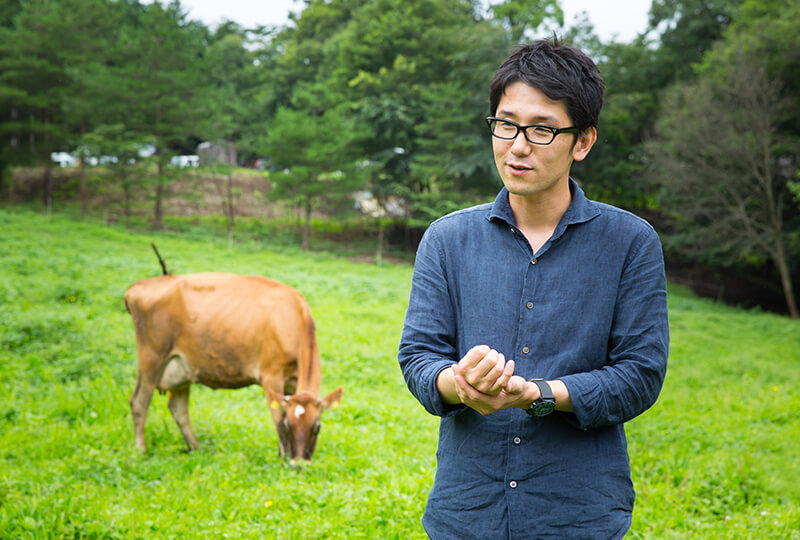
(717, 457)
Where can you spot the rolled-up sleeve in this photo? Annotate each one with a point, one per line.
(636, 365)
(427, 345)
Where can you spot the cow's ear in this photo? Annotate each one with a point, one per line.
(331, 401)
(276, 400)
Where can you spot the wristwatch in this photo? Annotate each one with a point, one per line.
(546, 402)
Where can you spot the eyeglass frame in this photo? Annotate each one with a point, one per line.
(524, 129)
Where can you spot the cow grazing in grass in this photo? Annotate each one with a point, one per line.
(228, 331)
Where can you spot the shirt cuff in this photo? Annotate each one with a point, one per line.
(584, 397)
(436, 405)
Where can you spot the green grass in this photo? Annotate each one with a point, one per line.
(716, 457)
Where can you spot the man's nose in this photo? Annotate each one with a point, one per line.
(520, 145)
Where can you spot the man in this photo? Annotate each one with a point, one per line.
(537, 325)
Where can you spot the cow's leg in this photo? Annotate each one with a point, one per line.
(140, 402)
(277, 409)
(179, 407)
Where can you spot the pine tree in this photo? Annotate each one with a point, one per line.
(162, 94)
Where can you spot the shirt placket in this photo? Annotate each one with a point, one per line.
(519, 449)
(523, 345)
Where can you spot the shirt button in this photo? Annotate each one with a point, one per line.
(525, 350)
(517, 440)
(529, 305)
(533, 261)
(513, 484)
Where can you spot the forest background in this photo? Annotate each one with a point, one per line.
(386, 98)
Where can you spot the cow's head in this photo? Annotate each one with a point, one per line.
(300, 422)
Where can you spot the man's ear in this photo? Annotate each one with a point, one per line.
(586, 140)
(332, 400)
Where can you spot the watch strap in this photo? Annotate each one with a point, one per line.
(546, 403)
(544, 389)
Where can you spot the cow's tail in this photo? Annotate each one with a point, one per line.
(160, 260)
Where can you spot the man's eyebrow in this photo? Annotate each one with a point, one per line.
(536, 119)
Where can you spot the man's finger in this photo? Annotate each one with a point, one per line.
(467, 392)
(515, 385)
(505, 376)
(486, 372)
(462, 387)
(483, 366)
(474, 356)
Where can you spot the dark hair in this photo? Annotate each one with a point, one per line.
(560, 72)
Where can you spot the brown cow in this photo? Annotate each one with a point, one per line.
(228, 331)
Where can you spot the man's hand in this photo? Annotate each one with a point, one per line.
(484, 381)
(486, 370)
(510, 396)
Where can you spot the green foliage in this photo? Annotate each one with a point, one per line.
(715, 457)
(613, 170)
(636, 74)
(8, 11)
(726, 150)
(794, 187)
(523, 15)
(763, 30)
(33, 55)
(317, 155)
(422, 95)
(688, 28)
(402, 84)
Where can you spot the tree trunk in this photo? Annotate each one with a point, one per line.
(84, 203)
(299, 220)
(231, 218)
(48, 188)
(83, 186)
(127, 192)
(158, 212)
(379, 256)
(786, 278)
(307, 228)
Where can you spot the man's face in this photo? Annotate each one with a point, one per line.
(530, 170)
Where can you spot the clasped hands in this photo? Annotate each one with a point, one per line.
(485, 381)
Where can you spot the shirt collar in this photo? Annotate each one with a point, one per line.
(580, 209)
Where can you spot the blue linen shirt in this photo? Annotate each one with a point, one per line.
(589, 308)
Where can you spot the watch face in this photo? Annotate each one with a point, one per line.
(544, 408)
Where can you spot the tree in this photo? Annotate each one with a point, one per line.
(162, 94)
(116, 142)
(767, 30)
(419, 78)
(636, 74)
(613, 170)
(238, 69)
(225, 61)
(8, 10)
(32, 86)
(688, 28)
(91, 24)
(718, 156)
(523, 15)
(315, 156)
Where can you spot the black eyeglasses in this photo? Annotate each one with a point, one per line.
(534, 133)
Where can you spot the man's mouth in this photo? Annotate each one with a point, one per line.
(518, 167)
